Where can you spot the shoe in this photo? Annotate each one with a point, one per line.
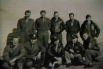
(88, 66)
(68, 65)
(56, 66)
(96, 60)
(49, 67)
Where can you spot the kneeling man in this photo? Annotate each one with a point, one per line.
(13, 54)
(35, 53)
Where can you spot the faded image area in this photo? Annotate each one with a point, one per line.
(12, 10)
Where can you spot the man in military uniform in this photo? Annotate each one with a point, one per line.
(92, 51)
(57, 26)
(74, 51)
(90, 27)
(55, 53)
(26, 27)
(35, 53)
(13, 54)
(42, 26)
(72, 27)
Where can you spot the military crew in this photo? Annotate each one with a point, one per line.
(35, 53)
(90, 27)
(33, 50)
(26, 27)
(13, 54)
(74, 51)
(57, 26)
(42, 26)
(72, 27)
(92, 51)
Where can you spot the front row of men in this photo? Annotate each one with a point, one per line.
(33, 54)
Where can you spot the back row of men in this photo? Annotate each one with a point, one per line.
(33, 49)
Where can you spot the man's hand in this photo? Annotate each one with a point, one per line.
(34, 58)
(34, 35)
(38, 56)
(12, 62)
(71, 50)
(59, 60)
(95, 38)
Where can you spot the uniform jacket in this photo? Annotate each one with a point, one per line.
(52, 52)
(90, 43)
(94, 29)
(72, 29)
(57, 26)
(10, 53)
(42, 25)
(28, 27)
(78, 48)
(33, 51)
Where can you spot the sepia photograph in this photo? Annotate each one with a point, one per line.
(51, 34)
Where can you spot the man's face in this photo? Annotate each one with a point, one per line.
(71, 17)
(56, 42)
(27, 15)
(56, 15)
(74, 40)
(43, 14)
(85, 36)
(15, 41)
(89, 18)
(33, 41)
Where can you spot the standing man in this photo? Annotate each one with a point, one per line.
(42, 26)
(90, 27)
(92, 51)
(57, 26)
(72, 27)
(26, 27)
(13, 54)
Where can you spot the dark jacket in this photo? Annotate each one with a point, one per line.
(57, 26)
(78, 48)
(42, 25)
(90, 43)
(52, 52)
(28, 27)
(72, 29)
(10, 53)
(33, 51)
(94, 29)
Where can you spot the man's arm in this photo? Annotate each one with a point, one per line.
(6, 54)
(18, 26)
(49, 24)
(78, 26)
(33, 28)
(97, 30)
(22, 52)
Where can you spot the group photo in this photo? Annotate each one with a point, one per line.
(51, 34)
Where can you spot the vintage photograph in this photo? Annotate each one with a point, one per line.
(51, 34)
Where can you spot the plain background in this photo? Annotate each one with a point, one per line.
(12, 10)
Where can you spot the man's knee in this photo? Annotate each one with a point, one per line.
(29, 63)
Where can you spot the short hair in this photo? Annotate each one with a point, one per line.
(27, 11)
(87, 16)
(85, 32)
(55, 12)
(15, 36)
(71, 14)
(42, 11)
